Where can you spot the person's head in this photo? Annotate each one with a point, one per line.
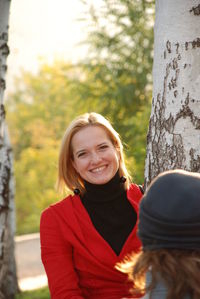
(169, 229)
(169, 214)
(91, 151)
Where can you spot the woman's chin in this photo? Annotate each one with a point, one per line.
(103, 179)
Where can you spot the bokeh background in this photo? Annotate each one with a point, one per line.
(67, 58)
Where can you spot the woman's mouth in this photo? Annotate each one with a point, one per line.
(98, 169)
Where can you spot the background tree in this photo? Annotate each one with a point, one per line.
(38, 112)
(174, 129)
(118, 71)
(8, 282)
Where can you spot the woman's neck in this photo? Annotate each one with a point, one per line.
(106, 192)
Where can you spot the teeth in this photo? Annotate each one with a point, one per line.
(98, 169)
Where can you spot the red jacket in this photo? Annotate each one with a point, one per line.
(79, 263)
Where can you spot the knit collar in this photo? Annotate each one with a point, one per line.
(106, 192)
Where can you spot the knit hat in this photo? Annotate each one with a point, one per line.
(169, 214)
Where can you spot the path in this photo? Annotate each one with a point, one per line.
(30, 271)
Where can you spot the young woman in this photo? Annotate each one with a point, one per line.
(169, 228)
(86, 234)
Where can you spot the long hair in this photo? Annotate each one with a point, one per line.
(67, 175)
(179, 270)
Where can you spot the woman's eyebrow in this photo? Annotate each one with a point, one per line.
(103, 143)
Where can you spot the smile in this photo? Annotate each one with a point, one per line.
(98, 169)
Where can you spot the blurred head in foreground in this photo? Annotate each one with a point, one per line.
(169, 228)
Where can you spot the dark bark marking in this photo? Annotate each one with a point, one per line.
(169, 123)
(187, 99)
(175, 63)
(2, 111)
(2, 241)
(175, 93)
(168, 46)
(174, 80)
(2, 83)
(194, 163)
(195, 10)
(158, 142)
(5, 49)
(4, 36)
(185, 65)
(178, 150)
(187, 112)
(5, 191)
(6, 171)
(4, 208)
(4, 68)
(177, 47)
(196, 43)
(165, 55)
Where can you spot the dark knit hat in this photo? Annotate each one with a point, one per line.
(169, 214)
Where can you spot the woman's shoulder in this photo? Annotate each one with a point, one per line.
(60, 206)
(136, 190)
(134, 195)
(63, 212)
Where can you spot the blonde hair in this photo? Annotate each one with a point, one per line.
(179, 269)
(67, 175)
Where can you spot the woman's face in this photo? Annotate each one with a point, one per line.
(95, 157)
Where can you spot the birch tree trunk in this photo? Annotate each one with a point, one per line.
(173, 139)
(8, 281)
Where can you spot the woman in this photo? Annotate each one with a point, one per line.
(86, 234)
(169, 229)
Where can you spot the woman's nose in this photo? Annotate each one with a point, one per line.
(95, 158)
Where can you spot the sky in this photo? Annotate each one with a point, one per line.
(43, 30)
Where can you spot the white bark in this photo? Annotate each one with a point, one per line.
(8, 282)
(173, 139)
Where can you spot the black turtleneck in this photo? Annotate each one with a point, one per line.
(110, 211)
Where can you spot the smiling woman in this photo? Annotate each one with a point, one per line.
(84, 235)
(96, 160)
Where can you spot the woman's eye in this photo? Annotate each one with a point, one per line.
(103, 147)
(81, 155)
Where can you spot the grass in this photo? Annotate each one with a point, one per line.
(42, 293)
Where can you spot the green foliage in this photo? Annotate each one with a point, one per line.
(41, 101)
(42, 293)
(38, 113)
(35, 174)
(114, 80)
(118, 70)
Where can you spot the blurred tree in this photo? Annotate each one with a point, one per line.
(35, 174)
(118, 70)
(38, 112)
(113, 81)
(174, 129)
(8, 281)
(41, 106)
